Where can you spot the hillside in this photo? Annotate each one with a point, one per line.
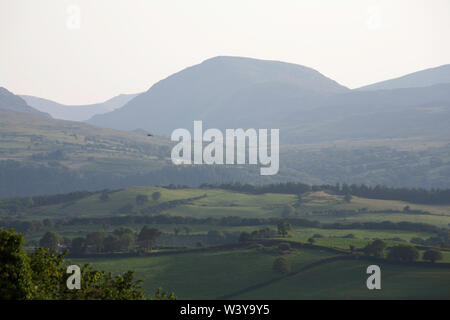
(423, 78)
(77, 113)
(12, 102)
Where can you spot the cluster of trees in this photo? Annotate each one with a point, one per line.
(120, 240)
(286, 188)
(414, 195)
(400, 253)
(41, 275)
(257, 234)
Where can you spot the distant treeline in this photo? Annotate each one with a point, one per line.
(422, 196)
(286, 188)
(239, 221)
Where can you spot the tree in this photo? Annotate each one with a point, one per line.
(403, 253)
(215, 237)
(97, 240)
(156, 195)
(141, 199)
(375, 248)
(147, 237)
(311, 241)
(281, 265)
(288, 211)
(78, 246)
(104, 196)
(48, 223)
(50, 240)
(15, 271)
(432, 255)
(245, 237)
(283, 228)
(348, 197)
(42, 275)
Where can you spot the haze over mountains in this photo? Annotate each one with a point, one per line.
(79, 112)
(234, 92)
(394, 136)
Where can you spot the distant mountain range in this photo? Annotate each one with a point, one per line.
(77, 112)
(234, 92)
(213, 89)
(396, 136)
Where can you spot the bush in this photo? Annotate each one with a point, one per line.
(284, 246)
(281, 265)
(432, 255)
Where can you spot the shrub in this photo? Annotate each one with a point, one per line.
(281, 265)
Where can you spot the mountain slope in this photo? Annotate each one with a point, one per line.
(381, 114)
(205, 91)
(77, 113)
(12, 102)
(423, 78)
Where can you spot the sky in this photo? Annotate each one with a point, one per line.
(85, 51)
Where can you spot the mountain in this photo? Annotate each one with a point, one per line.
(80, 112)
(424, 78)
(380, 114)
(212, 90)
(307, 107)
(12, 102)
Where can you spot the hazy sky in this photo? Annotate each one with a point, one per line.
(125, 46)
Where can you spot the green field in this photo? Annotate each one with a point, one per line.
(346, 280)
(247, 273)
(235, 274)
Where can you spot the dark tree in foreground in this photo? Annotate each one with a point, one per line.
(42, 275)
(432, 255)
(15, 272)
(281, 265)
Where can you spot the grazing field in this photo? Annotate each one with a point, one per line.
(248, 274)
(198, 226)
(344, 280)
(206, 275)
